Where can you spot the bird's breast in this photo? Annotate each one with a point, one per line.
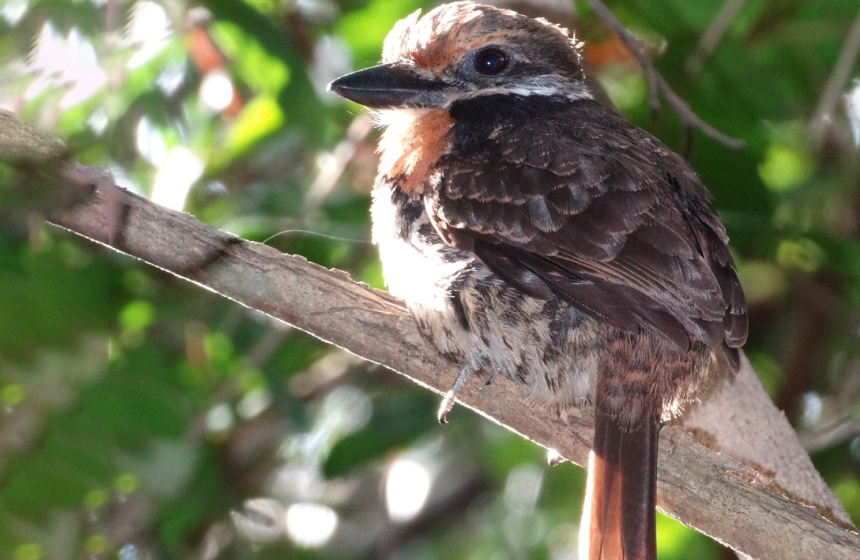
(474, 317)
(412, 142)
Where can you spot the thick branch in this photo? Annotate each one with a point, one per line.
(733, 503)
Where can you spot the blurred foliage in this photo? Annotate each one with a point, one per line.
(145, 418)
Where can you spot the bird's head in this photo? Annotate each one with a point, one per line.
(462, 50)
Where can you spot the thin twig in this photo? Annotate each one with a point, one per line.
(832, 434)
(656, 83)
(691, 119)
(832, 92)
(331, 173)
(633, 46)
(712, 36)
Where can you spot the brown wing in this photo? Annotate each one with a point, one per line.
(585, 206)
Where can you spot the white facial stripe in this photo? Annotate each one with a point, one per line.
(548, 85)
(548, 91)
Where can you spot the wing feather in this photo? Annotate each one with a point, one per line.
(605, 217)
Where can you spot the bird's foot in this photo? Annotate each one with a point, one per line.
(448, 402)
(554, 458)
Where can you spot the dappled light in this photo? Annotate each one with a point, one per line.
(310, 525)
(407, 486)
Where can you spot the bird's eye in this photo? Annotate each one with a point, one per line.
(490, 61)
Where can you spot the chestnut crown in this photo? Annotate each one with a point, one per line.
(463, 50)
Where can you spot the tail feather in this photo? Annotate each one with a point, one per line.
(619, 518)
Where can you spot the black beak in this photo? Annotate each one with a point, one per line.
(391, 86)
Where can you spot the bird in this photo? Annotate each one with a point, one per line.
(536, 234)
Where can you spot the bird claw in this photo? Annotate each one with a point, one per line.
(554, 458)
(445, 407)
(448, 402)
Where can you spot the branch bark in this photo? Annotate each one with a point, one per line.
(774, 507)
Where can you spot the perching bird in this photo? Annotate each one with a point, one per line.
(537, 235)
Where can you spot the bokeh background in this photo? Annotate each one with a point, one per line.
(144, 418)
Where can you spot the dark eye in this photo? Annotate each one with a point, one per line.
(490, 61)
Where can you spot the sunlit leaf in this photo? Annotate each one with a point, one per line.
(261, 117)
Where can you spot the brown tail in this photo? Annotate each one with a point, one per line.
(618, 522)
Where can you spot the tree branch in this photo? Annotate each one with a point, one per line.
(748, 510)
